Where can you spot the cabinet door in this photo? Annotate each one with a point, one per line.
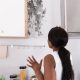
(13, 18)
(72, 16)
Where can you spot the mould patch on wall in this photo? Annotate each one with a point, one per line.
(36, 14)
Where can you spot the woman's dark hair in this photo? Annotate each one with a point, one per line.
(59, 38)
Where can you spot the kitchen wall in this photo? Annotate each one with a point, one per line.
(20, 49)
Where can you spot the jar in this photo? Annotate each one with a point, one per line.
(23, 73)
(33, 78)
(13, 77)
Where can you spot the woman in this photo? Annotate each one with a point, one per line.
(57, 66)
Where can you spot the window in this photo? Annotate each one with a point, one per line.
(13, 18)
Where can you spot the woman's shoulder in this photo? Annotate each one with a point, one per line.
(48, 56)
(51, 55)
(49, 60)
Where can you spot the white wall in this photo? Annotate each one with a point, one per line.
(17, 54)
(74, 47)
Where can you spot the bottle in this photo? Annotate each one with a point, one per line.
(23, 73)
(13, 77)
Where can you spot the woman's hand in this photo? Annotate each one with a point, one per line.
(34, 64)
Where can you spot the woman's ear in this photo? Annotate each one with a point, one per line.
(50, 44)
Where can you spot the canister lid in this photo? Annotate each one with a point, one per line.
(22, 67)
(13, 76)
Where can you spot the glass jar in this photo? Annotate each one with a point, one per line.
(13, 77)
(33, 78)
(23, 73)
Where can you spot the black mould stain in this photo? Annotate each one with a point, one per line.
(36, 14)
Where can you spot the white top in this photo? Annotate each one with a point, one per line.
(58, 67)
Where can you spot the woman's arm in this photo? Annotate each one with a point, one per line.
(36, 67)
(39, 75)
(49, 68)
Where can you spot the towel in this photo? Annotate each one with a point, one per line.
(3, 52)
